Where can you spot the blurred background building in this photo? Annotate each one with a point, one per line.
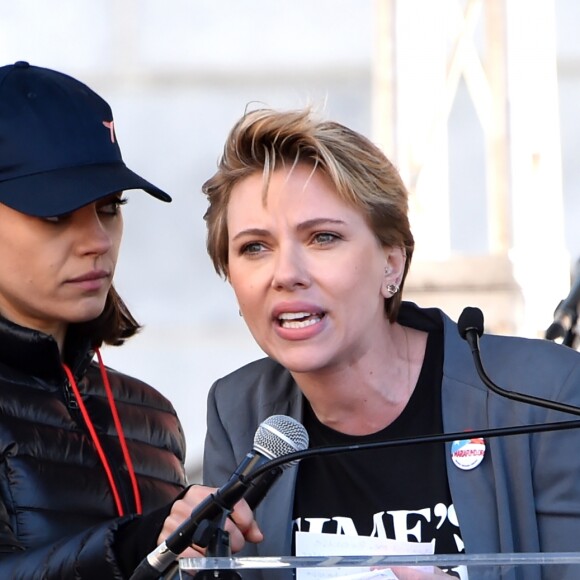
(476, 102)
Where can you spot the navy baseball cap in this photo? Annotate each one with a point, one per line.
(58, 148)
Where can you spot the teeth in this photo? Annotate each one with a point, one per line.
(298, 319)
(293, 315)
(300, 323)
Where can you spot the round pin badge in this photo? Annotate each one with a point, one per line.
(468, 453)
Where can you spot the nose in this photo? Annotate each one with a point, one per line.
(94, 237)
(290, 269)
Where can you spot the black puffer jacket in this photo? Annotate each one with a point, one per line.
(58, 519)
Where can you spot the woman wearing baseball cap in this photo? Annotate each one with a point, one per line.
(92, 472)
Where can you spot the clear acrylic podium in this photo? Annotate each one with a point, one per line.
(478, 566)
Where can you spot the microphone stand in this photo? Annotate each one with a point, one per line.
(198, 529)
(213, 535)
(219, 546)
(472, 338)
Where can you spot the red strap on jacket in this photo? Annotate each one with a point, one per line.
(97, 442)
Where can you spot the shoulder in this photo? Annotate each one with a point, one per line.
(264, 368)
(541, 364)
(263, 386)
(528, 354)
(499, 348)
(131, 390)
(263, 375)
(533, 365)
(147, 415)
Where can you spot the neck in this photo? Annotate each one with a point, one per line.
(367, 396)
(58, 333)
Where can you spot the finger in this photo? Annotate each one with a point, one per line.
(243, 518)
(254, 533)
(237, 540)
(192, 552)
(196, 494)
(240, 531)
(410, 573)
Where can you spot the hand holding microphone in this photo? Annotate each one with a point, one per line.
(276, 437)
(240, 525)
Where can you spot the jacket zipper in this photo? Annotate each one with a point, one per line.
(70, 400)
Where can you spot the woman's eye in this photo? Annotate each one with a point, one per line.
(325, 238)
(252, 248)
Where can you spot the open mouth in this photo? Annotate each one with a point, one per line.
(299, 319)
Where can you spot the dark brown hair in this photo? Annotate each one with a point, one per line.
(113, 326)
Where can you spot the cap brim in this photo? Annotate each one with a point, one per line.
(61, 191)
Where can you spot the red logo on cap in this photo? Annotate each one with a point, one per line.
(111, 126)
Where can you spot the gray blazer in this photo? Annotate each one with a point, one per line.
(523, 497)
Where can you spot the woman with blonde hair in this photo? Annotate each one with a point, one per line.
(308, 222)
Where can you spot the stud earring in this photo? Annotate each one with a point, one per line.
(392, 288)
(240, 313)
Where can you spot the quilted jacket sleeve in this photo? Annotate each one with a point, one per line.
(86, 556)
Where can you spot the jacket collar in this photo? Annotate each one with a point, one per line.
(35, 353)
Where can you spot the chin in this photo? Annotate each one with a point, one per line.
(87, 314)
(301, 364)
(301, 358)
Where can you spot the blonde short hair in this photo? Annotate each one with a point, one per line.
(264, 140)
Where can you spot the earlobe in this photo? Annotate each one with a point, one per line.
(394, 270)
(389, 289)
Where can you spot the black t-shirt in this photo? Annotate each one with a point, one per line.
(400, 493)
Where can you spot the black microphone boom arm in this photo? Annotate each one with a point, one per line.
(470, 326)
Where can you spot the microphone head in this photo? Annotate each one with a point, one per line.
(279, 435)
(471, 319)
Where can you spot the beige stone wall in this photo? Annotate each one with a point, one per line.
(486, 282)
